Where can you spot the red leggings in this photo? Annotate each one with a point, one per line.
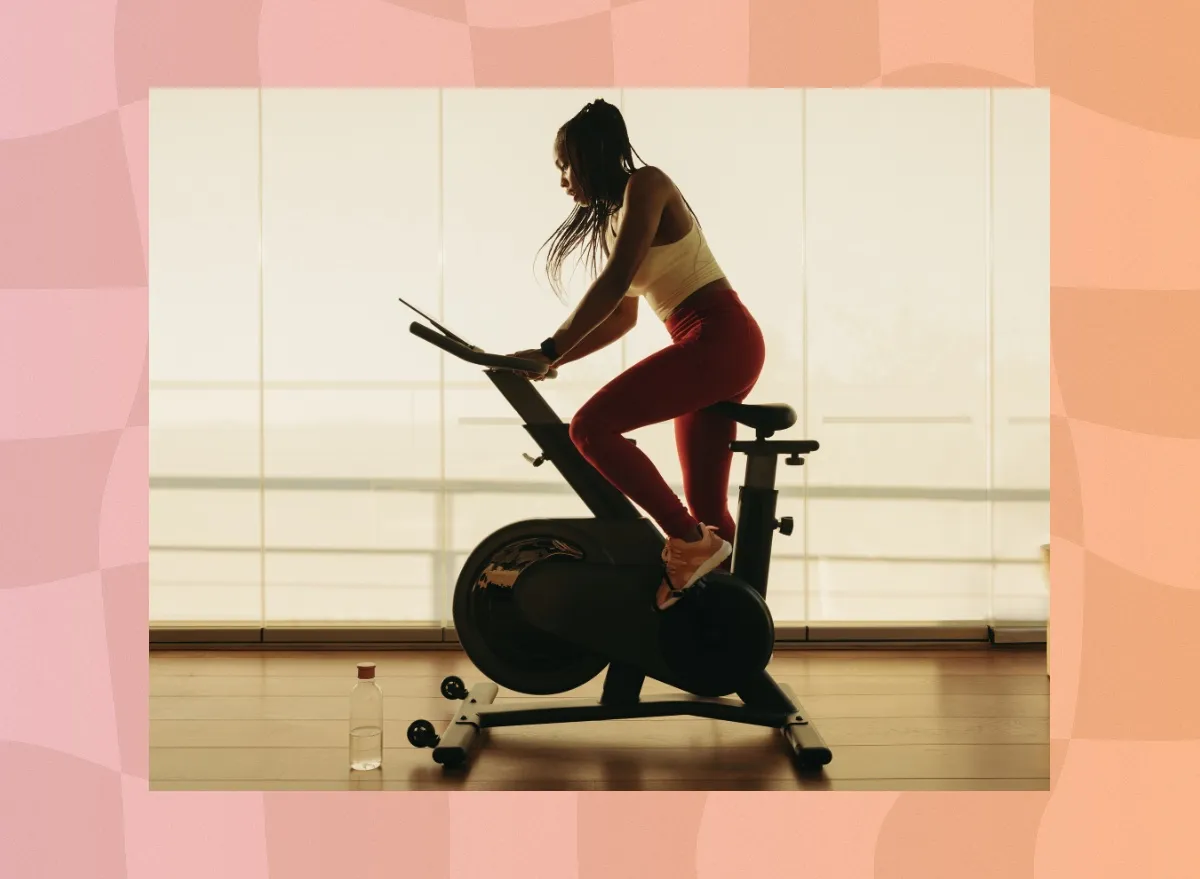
(716, 355)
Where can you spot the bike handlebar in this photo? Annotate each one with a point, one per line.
(480, 358)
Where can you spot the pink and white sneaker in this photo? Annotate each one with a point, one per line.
(688, 561)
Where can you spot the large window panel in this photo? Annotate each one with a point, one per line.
(352, 432)
(204, 554)
(892, 559)
(920, 591)
(896, 192)
(338, 463)
(203, 518)
(1021, 287)
(353, 518)
(204, 327)
(204, 216)
(1021, 346)
(312, 587)
(935, 529)
(204, 432)
(350, 222)
(205, 585)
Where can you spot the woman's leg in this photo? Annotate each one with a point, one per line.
(703, 440)
(668, 384)
(717, 355)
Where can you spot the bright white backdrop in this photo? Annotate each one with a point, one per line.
(311, 461)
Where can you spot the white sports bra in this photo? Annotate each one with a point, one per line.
(672, 272)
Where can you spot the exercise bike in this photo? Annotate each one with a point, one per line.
(542, 606)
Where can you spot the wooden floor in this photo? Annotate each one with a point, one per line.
(895, 720)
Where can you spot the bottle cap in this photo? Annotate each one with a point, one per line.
(366, 671)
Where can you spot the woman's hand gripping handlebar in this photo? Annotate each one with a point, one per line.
(537, 356)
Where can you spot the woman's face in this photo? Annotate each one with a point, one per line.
(567, 179)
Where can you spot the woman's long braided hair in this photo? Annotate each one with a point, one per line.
(596, 144)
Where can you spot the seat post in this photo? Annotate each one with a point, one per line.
(760, 468)
(756, 516)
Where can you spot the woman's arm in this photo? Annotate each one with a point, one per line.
(646, 195)
(616, 325)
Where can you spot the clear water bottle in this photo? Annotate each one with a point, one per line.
(366, 720)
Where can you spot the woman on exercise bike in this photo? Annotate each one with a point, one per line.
(652, 246)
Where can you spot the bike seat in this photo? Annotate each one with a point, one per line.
(760, 416)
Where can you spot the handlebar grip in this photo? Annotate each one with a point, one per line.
(433, 337)
(479, 358)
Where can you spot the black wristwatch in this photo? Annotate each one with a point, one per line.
(550, 349)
